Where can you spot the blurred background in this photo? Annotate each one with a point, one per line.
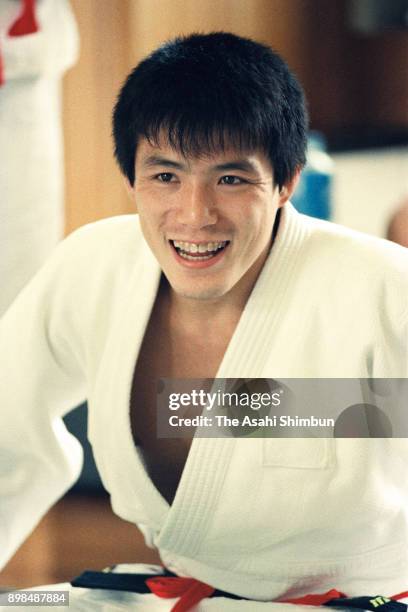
(351, 57)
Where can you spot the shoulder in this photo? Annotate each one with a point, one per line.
(352, 248)
(94, 258)
(343, 239)
(362, 265)
(120, 233)
(104, 244)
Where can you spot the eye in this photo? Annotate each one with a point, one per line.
(164, 177)
(230, 179)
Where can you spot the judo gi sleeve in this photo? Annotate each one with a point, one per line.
(41, 379)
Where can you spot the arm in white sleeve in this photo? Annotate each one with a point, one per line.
(41, 379)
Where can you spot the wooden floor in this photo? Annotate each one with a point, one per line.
(79, 533)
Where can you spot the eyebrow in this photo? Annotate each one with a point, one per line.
(156, 160)
(242, 165)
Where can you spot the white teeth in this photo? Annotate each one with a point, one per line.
(191, 258)
(192, 247)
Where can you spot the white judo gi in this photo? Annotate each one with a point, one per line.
(261, 518)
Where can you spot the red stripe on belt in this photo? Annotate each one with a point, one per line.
(192, 591)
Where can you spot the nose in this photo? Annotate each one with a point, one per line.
(196, 207)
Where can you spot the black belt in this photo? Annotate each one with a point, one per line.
(134, 583)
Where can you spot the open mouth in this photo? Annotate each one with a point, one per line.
(203, 251)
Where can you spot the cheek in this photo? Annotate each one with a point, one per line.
(148, 225)
(257, 225)
(150, 212)
(257, 218)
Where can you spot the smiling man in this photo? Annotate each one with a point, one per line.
(209, 220)
(217, 276)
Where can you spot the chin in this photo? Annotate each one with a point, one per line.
(199, 293)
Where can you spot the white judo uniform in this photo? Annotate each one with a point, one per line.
(261, 518)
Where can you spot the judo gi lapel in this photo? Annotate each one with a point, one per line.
(181, 527)
(249, 350)
(134, 496)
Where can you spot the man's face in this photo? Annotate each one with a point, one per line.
(208, 220)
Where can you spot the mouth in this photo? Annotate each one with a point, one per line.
(199, 254)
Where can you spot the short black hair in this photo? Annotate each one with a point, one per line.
(208, 91)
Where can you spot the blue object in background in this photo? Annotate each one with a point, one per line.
(313, 195)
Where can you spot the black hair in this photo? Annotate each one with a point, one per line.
(208, 91)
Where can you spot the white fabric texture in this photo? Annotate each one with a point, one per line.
(262, 518)
(31, 169)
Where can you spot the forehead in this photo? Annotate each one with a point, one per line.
(151, 154)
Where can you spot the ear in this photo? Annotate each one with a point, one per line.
(289, 187)
(130, 190)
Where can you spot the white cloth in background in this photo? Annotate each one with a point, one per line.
(31, 153)
(261, 518)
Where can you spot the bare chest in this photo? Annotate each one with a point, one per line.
(164, 355)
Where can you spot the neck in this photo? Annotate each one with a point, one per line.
(199, 317)
(202, 315)
(211, 317)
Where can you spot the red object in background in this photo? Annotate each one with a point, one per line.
(26, 22)
(1, 70)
